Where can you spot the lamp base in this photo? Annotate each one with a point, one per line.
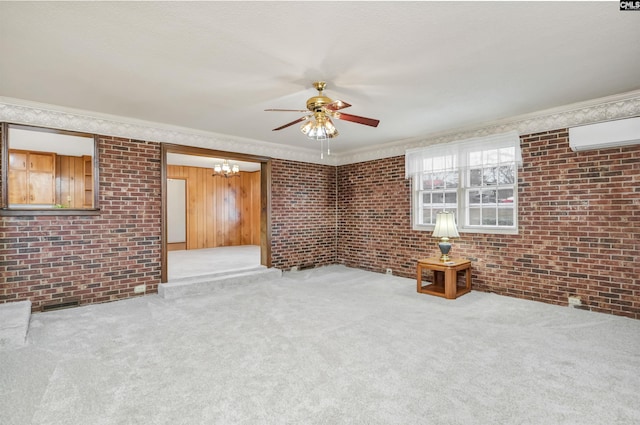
(445, 247)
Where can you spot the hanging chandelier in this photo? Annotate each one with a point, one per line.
(226, 170)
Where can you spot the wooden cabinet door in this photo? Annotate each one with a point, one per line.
(41, 162)
(31, 177)
(41, 178)
(18, 193)
(17, 160)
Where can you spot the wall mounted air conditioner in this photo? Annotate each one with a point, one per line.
(605, 135)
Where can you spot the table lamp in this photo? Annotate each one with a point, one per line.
(445, 229)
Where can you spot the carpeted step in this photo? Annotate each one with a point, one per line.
(213, 282)
(14, 323)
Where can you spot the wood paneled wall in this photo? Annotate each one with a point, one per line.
(220, 211)
(70, 181)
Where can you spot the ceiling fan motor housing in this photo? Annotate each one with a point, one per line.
(316, 103)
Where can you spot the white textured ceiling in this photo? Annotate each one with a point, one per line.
(418, 67)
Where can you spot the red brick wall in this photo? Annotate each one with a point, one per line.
(374, 210)
(303, 214)
(54, 259)
(579, 227)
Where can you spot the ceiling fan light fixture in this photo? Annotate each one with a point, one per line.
(307, 126)
(318, 125)
(319, 128)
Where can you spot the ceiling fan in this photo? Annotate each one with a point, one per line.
(322, 108)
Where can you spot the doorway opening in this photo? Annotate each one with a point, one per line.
(213, 223)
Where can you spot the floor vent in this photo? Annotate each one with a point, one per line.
(60, 306)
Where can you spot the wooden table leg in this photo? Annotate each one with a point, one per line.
(450, 284)
(468, 276)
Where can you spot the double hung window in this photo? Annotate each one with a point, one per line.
(476, 179)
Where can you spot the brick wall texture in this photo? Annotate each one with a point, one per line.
(91, 259)
(303, 214)
(579, 227)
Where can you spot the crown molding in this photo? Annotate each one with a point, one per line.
(20, 111)
(594, 111)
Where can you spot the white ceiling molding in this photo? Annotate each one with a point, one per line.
(609, 108)
(18, 111)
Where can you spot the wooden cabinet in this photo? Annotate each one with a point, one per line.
(31, 177)
(18, 193)
(87, 166)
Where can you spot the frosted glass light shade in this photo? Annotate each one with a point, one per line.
(320, 128)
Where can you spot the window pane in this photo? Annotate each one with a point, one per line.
(488, 216)
(426, 198)
(451, 180)
(451, 198)
(489, 196)
(505, 195)
(475, 177)
(506, 174)
(505, 216)
(474, 216)
(474, 197)
(426, 216)
(426, 181)
(489, 176)
(437, 198)
(438, 180)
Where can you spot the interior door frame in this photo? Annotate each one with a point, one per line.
(265, 196)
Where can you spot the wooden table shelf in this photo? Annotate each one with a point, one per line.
(444, 277)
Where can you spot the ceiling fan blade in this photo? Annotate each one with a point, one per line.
(354, 118)
(336, 105)
(292, 123)
(287, 110)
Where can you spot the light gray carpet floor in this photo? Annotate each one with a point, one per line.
(198, 262)
(326, 346)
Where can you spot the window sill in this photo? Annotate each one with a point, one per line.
(50, 212)
(485, 230)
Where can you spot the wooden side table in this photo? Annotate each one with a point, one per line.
(445, 277)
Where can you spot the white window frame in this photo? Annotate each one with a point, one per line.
(461, 157)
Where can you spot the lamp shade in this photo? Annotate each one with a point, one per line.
(319, 128)
(445, 226)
